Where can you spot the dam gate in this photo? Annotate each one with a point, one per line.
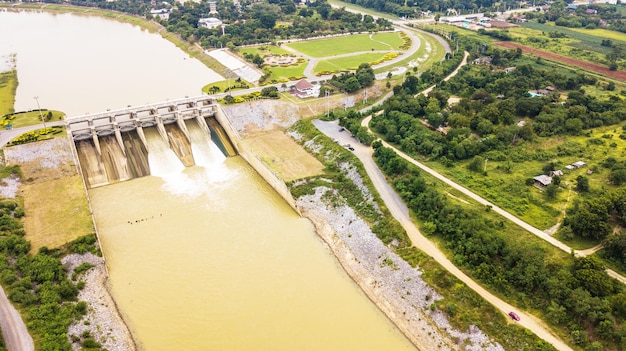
(112, 146)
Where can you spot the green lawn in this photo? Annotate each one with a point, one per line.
(346, 63)
(392, 39)
(8, 87)
(281, 74)
(343, 45)
(25, 119)
(429, 53)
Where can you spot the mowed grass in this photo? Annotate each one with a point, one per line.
(8, 87)
(347, 63)
(392, 39)
(31, 118)
(284, 73)
(342, 45)
(430, 52)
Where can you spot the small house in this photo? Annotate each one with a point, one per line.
(542, 180)
(483, 60)
(570, 167)
(304, 89)
(556, 173)
(579, 164)
(163, 14)
(209, 22)
(591, 11)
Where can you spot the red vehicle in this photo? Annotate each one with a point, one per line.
(514, 316)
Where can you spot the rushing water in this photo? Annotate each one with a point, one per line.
(200, 258)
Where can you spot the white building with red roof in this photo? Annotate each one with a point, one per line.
(304, 89)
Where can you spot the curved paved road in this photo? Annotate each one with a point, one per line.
(14, 332)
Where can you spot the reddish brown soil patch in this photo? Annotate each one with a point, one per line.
(502, 24)
(618, 75)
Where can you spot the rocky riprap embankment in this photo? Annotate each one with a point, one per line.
(102, 319)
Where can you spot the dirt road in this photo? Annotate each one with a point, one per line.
(14, 330)
(401, 213)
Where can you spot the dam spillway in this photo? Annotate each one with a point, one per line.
(111, 146)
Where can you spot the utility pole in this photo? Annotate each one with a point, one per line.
(327, 93)
(40, 114)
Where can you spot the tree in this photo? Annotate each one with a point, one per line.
(477, 164)
(365, 75)
(552, 190)
(352, 85)
(582, 183)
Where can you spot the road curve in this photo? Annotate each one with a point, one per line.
(401, 213)
(14, 332)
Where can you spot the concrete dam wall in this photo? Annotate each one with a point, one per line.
(112, 146)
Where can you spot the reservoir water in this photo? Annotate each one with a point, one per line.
(207, 257)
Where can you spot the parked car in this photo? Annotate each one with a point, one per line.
(514, 316)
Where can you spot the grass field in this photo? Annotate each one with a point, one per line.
(392, 39)
(504, 183)
(283, 155)
(53, 194)
(429, 53)
(344, 63)
(8, 87)
(30, 118)
(344, 45)
(56, 212)
(579, 43)
(283, 73)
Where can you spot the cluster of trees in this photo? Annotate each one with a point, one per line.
(414, 8)
(589, 218)
(492, 102)
(604, 15)
(350, 82)
(575, 293)
(260, 22)
(38, 283)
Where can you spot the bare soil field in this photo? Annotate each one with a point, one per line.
(618, 75)
(283, 155)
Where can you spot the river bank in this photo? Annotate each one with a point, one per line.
(392, 284)
(103, 320)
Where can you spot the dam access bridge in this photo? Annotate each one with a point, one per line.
(112, 146)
